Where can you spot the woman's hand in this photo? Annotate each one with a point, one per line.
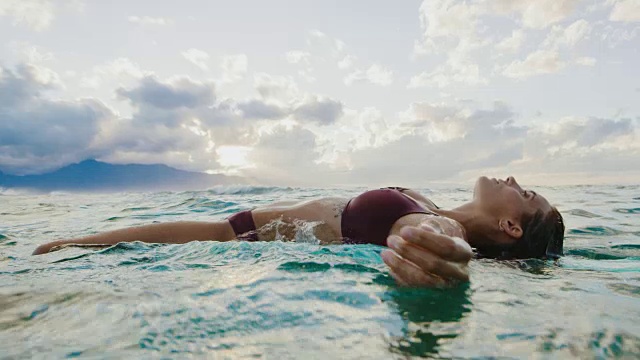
(420, 256)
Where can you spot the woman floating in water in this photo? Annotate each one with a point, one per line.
(429, 246)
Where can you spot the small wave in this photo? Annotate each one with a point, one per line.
(246, 190)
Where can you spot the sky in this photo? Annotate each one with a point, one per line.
(326, 93)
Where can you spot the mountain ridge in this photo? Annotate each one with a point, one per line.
(93, 175)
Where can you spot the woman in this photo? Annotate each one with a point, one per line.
(429, 245)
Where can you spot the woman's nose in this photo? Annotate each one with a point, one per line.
(512, 182)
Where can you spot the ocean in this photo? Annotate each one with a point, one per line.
(300, 300)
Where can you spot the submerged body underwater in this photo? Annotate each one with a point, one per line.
(300, 299)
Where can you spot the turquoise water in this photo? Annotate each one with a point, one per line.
(301, 300)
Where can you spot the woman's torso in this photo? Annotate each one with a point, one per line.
(377, 217)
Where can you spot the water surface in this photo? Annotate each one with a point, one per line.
(302, 300)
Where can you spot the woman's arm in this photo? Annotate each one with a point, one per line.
(172, 232)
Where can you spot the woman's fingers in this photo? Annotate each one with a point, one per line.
(427, 261)
(444, 246)
(408, 274)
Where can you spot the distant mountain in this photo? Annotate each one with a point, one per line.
(92, 175)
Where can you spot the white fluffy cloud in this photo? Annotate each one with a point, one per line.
(536, 14)
(346, 62)
(536, 63)
(452, 72)
(586, 61)
(234, 67)
(512, 43)
(197, 57)
(547, 59)
(375, 74)
(569, 36)
(118, 69)
(149, 20)
(36, 14)
(279, 89)
(625, 11)
(297, 56)
(445, 22)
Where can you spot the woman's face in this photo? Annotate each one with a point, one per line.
(505, 199)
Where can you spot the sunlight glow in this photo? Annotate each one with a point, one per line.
(233, 157)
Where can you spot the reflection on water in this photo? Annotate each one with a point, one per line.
(433, 318)
(290, 301)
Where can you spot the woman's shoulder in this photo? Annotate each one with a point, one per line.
(442, 225)
(446, 226)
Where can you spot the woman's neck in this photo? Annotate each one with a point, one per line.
(471, 219)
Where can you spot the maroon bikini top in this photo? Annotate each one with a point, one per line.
(369, 217)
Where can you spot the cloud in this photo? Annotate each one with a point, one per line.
(447, 74)
(282, 89)
(512, 43)
(569, 36)
(257, 109)
(457, 30)
(38, 134)
(35, 14)
(625, 11)
(197, 57)
(536, 14)
(444, 22)
(302, 58)
(120, 68)
(536, 63)
(27, 82)
(615, 36)
(297, 56)
(285, 155)
(346, 62)
(586, 61)
(179, 92)
(320, 110)
(439, 141)
(375, 74)
(234, 67)
(149, 20)
(324, 45)
(585, 146)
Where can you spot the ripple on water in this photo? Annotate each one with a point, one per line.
(627, 211)
(583, 213)
(625, 289)
(5, 240)
(599, 344)
(595, 230)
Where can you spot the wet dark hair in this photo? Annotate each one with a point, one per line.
(542, 237)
